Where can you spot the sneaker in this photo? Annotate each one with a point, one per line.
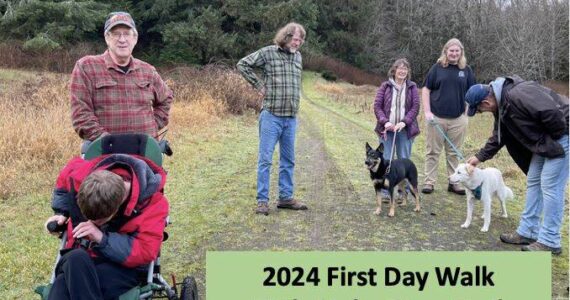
(262, 208)
(516, 239)
(427, 189)
(536, 246)
(291, 204)
(455, 188)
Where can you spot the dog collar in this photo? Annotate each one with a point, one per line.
(477, 192)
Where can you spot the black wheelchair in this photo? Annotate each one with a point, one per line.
(153, 286)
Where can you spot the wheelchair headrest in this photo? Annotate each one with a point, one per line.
(124, 144)
(128, 143)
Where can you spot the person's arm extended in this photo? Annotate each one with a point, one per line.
(491, 147)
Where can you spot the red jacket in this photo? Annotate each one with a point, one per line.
(106, 99)
(133, 237)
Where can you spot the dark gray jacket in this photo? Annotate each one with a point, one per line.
(532, 118)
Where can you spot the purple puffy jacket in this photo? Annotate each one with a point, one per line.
(383, 103)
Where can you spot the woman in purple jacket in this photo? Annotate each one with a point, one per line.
(396, 107)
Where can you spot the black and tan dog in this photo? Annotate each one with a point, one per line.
(401, 171)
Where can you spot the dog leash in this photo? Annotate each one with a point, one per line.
(436, 125)
(392, 152)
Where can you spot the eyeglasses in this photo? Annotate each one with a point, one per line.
(116, 35)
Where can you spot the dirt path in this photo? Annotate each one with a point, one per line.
(340, 215)
(325, 226)
(340, 206)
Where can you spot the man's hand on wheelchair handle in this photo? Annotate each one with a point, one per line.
(89, 231)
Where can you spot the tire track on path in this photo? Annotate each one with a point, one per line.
(333, 182)
(340, 212)
(331, 223)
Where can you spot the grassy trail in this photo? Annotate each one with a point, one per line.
(211, 189)
(331, 179)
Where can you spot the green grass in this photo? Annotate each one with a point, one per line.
(211, 188)
(11, 75)
(340, 141)
(210, 179)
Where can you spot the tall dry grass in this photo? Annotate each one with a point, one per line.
(37, 137)
(218, 82)
(361, 98)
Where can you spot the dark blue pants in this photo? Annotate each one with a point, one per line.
(78, 276)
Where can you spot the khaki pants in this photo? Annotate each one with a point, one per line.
(455, 130)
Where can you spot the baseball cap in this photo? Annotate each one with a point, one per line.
(475, 95)
(119, 18)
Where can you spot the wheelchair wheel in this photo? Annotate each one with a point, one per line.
(189, 289)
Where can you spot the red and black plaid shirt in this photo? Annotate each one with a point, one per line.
(106, 99)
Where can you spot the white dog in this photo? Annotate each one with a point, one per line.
(483, 184)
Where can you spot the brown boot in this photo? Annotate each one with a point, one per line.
(536, 246)
(516, 239)
(291, 204)
(262, 208)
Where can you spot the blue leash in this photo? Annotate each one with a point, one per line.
(436, 125)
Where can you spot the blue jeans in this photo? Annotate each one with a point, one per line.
(546, 186)
(403, 144)
(273, 129)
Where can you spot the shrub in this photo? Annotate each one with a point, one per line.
(18, 55)
(41, 43)
(344, 71)
(329, 76)
(219, 82)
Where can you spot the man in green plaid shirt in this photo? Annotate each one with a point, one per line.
(281, 66)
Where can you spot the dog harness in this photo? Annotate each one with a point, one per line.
(477, 192)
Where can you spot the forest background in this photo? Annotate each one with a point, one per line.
(195, 44)
(501, 37)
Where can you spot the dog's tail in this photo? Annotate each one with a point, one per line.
(506, 193)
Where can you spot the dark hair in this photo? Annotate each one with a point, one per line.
(101, 194)
(396, 64)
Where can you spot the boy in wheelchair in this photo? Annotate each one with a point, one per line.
(115, 223)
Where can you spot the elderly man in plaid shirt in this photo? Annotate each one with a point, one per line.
(281, 66)
(115, 92)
